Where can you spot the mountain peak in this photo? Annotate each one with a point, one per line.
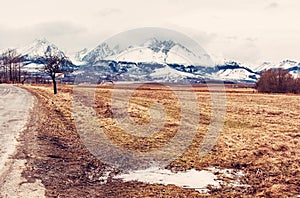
(38, 48)
(287, 61)
(232, 63)
(152, 50)
(99, 53)
(41, 41)
(158, 45)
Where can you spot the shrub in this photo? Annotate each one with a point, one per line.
(277, 81)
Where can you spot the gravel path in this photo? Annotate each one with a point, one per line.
(15, 105)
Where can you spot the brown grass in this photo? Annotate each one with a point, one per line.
(260, 136)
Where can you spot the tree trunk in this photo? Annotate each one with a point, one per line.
(54, 85)
(19, 72)
(10, 72)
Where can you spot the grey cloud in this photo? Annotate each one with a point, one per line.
(205, 38)
(64, 34)
(202, 37)
(231, 37)
(244, 52)
(251, 39)
(57, 28)
(272, 6)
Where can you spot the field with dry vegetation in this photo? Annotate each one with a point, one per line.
(260, 137)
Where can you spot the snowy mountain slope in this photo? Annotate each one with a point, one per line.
(285, 64)
(235, 75)
(33, 68)
(150, 71)
(139, 54)
(152, 50)
(264, 66)
(167, 71)
(38, 48)
(292, 66)
(177, 63)
(99, 53)
(130, 71)
(77, 57)
(34, 53)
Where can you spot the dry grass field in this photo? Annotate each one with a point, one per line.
(261, 137)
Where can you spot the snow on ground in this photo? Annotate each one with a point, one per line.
(139, 54)
(191, 179)
(285, 64)
(33, 68)
(233, 74)
(169, 72)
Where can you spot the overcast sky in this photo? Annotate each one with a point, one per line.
(248, 31)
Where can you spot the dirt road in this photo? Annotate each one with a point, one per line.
(15, 105)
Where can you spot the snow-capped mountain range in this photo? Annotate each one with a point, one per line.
(159, 60)
(152, 50)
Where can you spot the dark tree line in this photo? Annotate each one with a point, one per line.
(278, 81)
(10, 66)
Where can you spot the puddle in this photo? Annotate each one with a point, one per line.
(191, 179)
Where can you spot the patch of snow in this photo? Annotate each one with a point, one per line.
(295, 73)
(170, 72)
(103, 179)
(234, 74)
(33, 67)
(191, 179)
(286, 64)
(181, 55)
(139, 54)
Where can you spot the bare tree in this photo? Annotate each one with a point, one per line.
(2, 70)
(296, 87)
(52, 65)
(24, 76)
(11, 63)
